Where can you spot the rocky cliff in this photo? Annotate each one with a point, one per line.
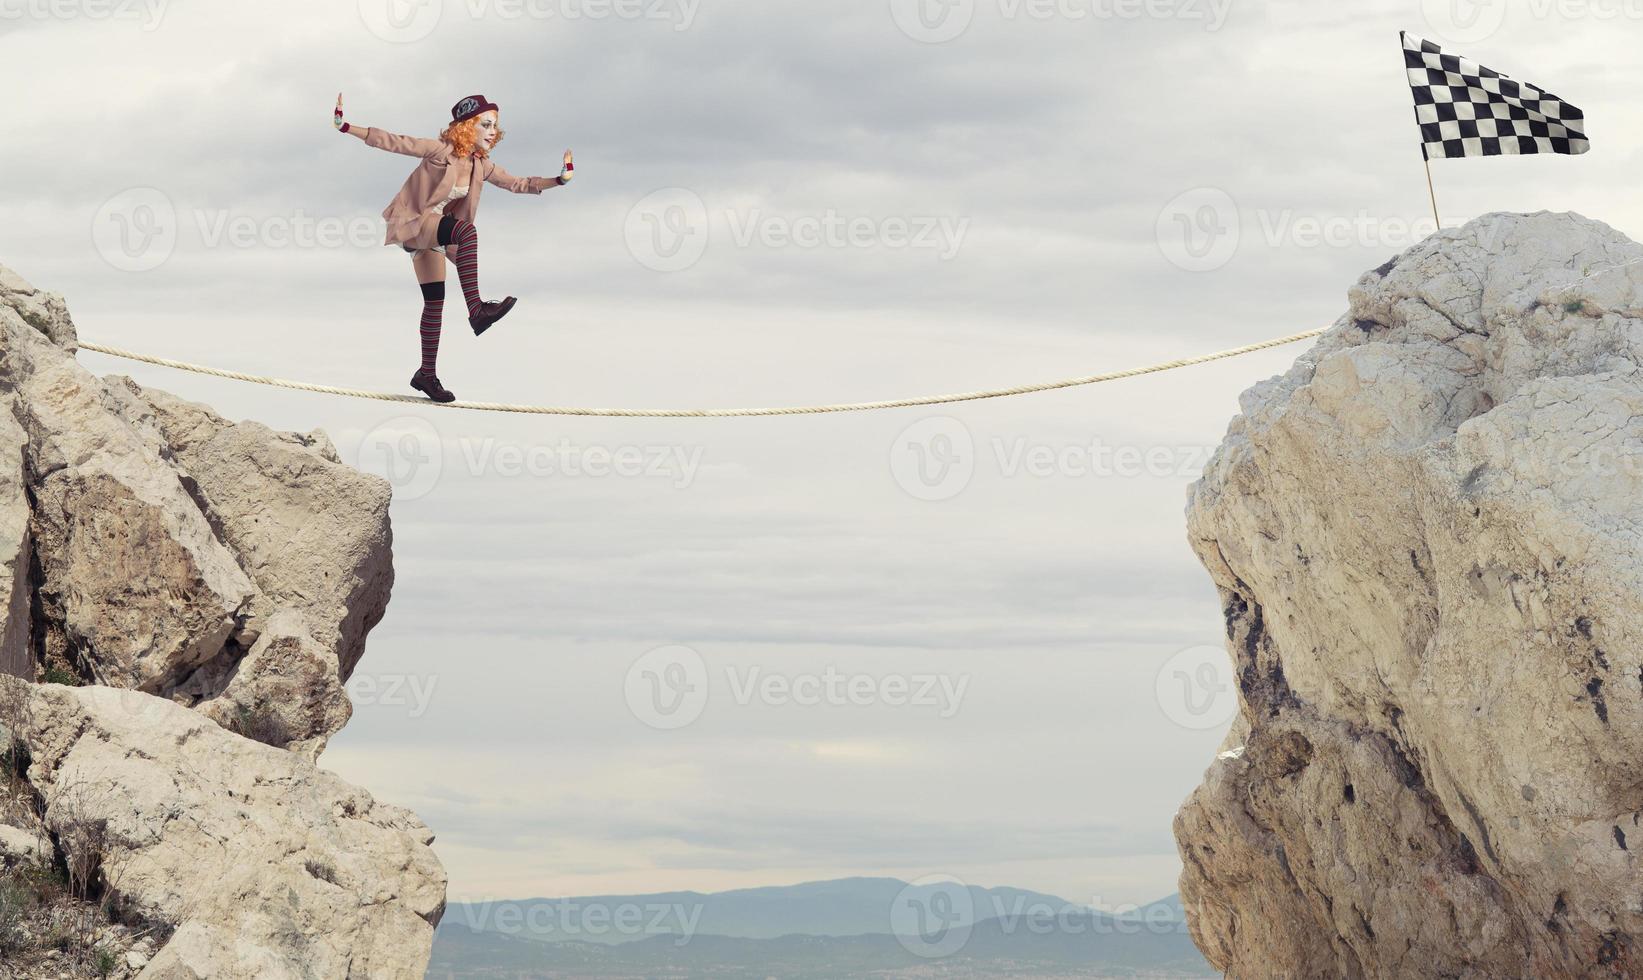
(1427, 536)
(164, 549)
(201, 590)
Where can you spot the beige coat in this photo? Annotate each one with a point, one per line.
(432, 180)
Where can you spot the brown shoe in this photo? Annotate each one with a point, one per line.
(429, 385)
(489, 313)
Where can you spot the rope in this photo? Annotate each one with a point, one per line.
(700, 412)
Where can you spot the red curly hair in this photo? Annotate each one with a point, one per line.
(462, 137)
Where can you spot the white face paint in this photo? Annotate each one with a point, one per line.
(485, 128)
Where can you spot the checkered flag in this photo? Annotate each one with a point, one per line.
(1467, 110)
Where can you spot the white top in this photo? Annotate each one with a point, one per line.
(457, 193)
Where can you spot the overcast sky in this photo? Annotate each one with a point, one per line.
(636, 655)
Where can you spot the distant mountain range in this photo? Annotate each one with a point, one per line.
(846, 927)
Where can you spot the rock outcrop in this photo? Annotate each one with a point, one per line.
(252, 861)
(1428, 540)
(222, 565)
(203, 590)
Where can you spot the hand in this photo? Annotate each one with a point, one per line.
(568, 170)
(336, 119)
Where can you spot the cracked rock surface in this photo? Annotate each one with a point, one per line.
(200, 591)
(222, 565)
(255, 863)
(1427, 537)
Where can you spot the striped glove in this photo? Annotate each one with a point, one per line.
(336, 118)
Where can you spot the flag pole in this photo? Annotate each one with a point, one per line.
(1430, 192)
(1426, 159)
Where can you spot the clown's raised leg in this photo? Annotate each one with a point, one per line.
(465, 242)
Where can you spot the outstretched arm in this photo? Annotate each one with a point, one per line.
(414, 146)
(528, 185)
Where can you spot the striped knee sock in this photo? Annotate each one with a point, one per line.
(466, 239)
(433, 312)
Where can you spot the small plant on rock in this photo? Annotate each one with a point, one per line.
(260, 723)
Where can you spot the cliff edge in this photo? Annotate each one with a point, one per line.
(1427, 537)
(184, 598)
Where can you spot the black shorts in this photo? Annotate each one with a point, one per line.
(446, 223)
